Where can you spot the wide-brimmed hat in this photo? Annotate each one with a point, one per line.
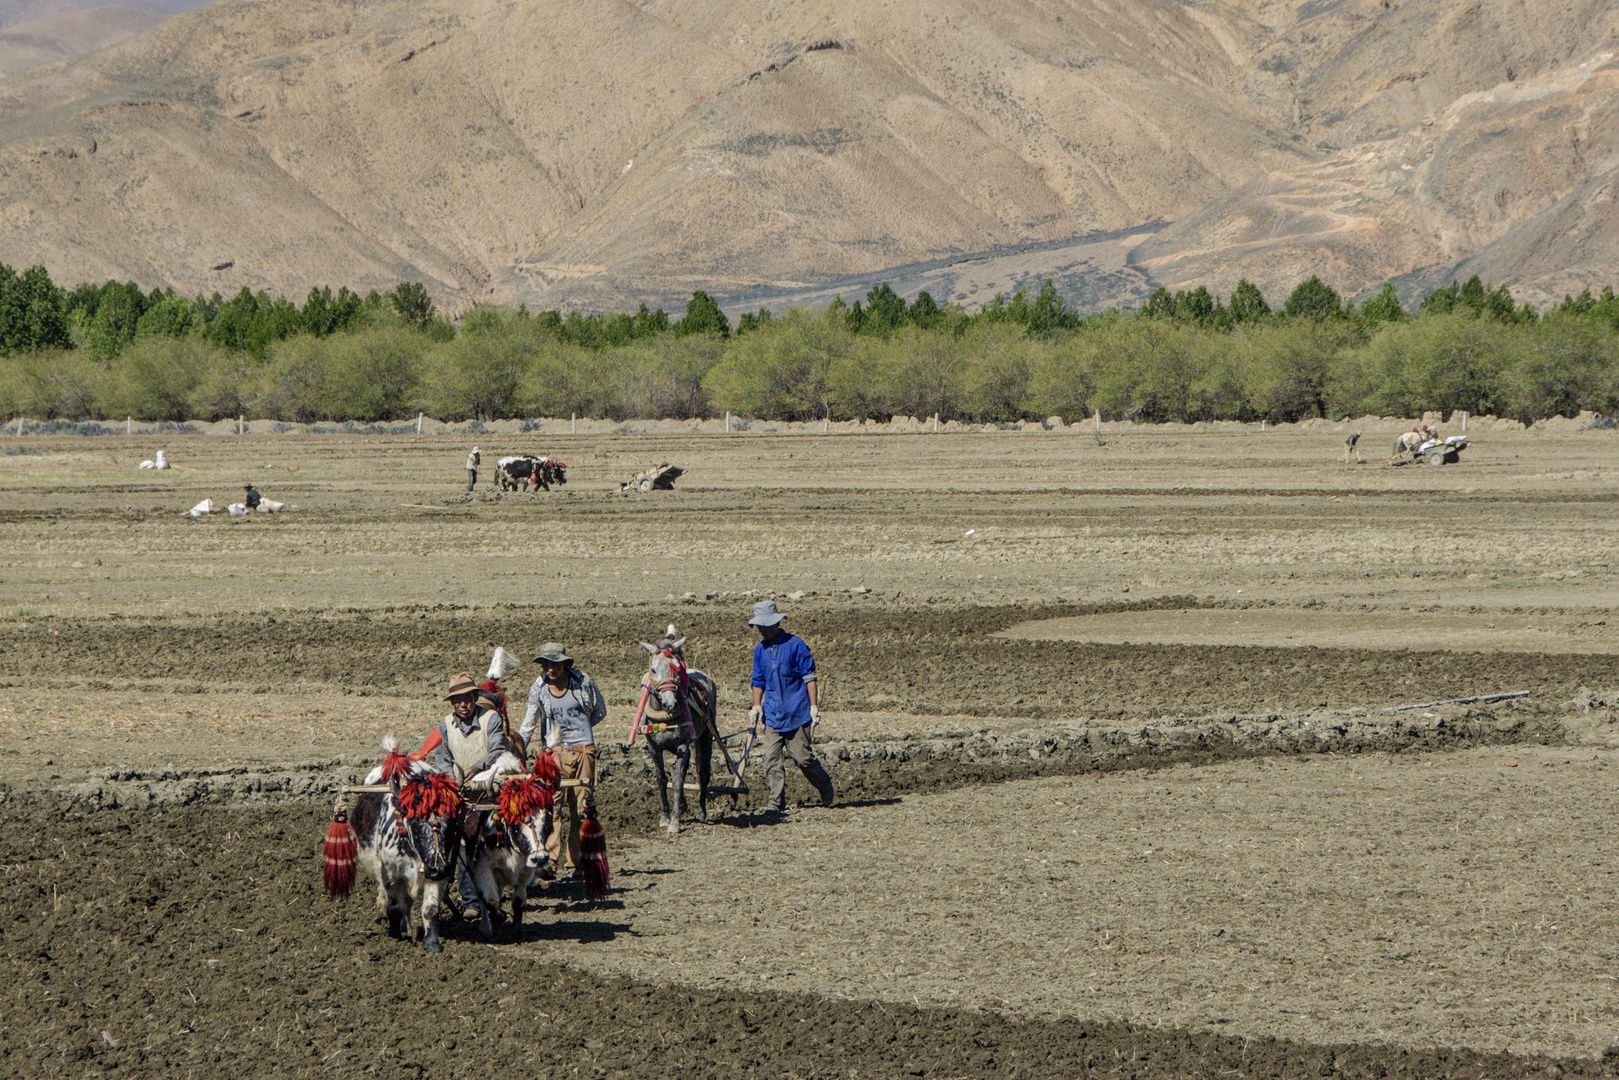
(765, 614)
(553, 653)
(461, 684)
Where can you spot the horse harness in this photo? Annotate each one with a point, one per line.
(680, 683)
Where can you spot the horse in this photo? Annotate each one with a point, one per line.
(409, 839)
(1408, 442)
(678, 705)
(508, 849)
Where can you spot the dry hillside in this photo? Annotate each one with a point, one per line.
(596, 152)
(58, 37)
(16, 12)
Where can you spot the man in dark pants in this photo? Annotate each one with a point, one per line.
(473, 460)
(786, 699)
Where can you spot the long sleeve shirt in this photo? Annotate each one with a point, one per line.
(567, 720)
(471, 744)
(782, 668)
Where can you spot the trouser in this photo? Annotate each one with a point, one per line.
(573, 763)
(797, 745)
(472, 478)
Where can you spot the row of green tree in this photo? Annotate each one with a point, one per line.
(1184, 356)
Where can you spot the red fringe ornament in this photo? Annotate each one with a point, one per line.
(593, 855)
(396, 764)
(430, 795)
(342, 848)
(546, 769)
(520, 797)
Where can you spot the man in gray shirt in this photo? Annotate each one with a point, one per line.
(564, 708)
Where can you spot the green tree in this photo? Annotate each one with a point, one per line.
(1382, 308)
(172, 316)
(374, 374)
(1313, 299)
(703, 316)
(1247, 303)
(1567, 364)
(32, 312)
(411, 302)
(782, 370)
(118, 312)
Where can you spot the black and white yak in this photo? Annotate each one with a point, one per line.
(408, 838)
(527, 472)
(507, 850)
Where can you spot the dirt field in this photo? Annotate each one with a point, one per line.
(1119, 759)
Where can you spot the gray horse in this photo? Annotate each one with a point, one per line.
(679, 720)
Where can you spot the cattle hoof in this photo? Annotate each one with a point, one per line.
(396, 929)
(487, 928)
(430, 941)
(673, 826)
(663, 821)
(517, 913)
(701, 816)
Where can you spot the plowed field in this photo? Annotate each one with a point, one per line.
(1119, 790)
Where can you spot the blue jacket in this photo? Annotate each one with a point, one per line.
(782, 669)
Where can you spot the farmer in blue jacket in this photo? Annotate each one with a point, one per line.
(784, 697)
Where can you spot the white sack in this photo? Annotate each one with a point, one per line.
(204, 507)
(269, 506)
(237, 509)
(162, 462)
(147, 464)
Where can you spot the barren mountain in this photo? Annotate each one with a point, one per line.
(600, 152)
(16, 12)
(57, 37)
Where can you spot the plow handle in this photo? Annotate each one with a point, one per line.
(640, 711)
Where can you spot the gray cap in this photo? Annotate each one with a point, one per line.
(552, 653)
(765, 614)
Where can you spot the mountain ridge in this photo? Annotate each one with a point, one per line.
(600, 153)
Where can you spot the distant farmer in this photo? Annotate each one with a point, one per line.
(472, 468)
(253, 497)
(1352, 446)
(786, 699)
(564, 708)
(468, 741)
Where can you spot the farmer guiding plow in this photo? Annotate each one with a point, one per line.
(413, 825)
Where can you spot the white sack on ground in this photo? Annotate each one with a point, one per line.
(147, 464)
(237, 509)
(269, 506)
(162, 462)
(204, 507)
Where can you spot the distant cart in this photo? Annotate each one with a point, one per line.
(659, 477)
(1442, 453)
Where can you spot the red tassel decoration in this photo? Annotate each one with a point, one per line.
(593, 855)
(342, 848)
(520, 797)
(430, 795)
(546, 769)
(396, 764)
